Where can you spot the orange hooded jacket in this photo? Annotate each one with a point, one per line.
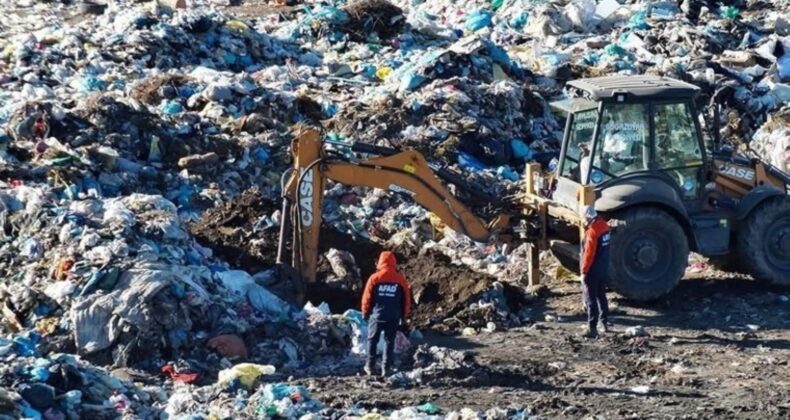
(596, 244)
(387, 273)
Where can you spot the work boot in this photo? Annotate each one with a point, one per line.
(368, 370)
(590, 333)
(605, 327)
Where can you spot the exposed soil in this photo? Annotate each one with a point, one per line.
(229, 230)
(440, 288)
(436, 298)
(701, 360)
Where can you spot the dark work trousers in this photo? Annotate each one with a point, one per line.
(594, 291)
(375, 329)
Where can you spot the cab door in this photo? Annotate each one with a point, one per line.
(575, 156)
(679, 152)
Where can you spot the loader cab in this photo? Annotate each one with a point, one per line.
(625, 127)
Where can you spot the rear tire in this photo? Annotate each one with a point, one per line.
(648, 253)
(763, 241)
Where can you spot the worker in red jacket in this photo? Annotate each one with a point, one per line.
(386, 303)
(595, 263)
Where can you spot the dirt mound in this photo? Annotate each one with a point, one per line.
(442, 289)
(380, 16)
(234, 233)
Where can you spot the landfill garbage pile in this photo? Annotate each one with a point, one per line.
(126, 139)
(63, 386)
(739, 44)
(773, 140)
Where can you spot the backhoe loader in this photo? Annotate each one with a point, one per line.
(638, 141)
(404, 172)
(632, 145)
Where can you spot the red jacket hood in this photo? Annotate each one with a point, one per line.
(387, 259)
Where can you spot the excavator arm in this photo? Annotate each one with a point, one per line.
(404, 172)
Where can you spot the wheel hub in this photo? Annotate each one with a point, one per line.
(645, 254)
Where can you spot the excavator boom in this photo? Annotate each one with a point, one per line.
(405, 172)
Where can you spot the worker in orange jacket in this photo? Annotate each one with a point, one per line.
(386, 303)
(595, 263)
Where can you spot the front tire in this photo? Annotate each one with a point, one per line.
(763, 241)
(648, 253)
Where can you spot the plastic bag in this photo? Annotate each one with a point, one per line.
(235, 280)
(638, 21)
(320, 310)
(520, 150)
(245, 373)
(581, 13)
(429, 408)
(507, 173)
(730, 12)
(478, 20)
(117, 215)
(331, 15)
(266, 301)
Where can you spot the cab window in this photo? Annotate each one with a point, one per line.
(678, 151)
(676, 136)
(623, 142)
(580, 142)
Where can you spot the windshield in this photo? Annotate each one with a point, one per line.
(623, 145)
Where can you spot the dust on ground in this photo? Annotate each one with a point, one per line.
(716, 349)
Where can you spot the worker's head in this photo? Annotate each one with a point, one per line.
(387, 259)
(589, 214)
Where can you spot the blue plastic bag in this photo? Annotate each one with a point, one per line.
(26, 342)
(499, 55)
(92, 84)
(507, 173)
(331, 15)
(172, 108)
(638, 21)
(261, 155)
(354, 316)
(614, 50)
(468, 161)
(478, 20)
(410, 81)
(520, 149)
(276, 392)
(520, 20)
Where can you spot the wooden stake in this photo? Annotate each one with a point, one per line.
(533, 264)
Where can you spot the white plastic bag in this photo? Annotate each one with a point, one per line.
(235, 280)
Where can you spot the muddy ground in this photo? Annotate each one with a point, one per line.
(716, 349)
